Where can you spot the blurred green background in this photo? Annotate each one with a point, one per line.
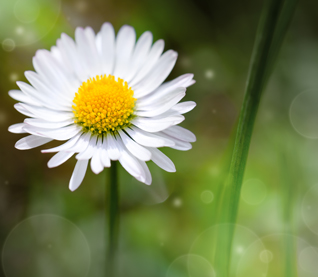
(169, 228)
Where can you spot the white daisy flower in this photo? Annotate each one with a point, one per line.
(104, 96)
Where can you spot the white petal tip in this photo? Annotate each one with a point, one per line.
(73, 187)
(192, 83)
(98, 171)
(20, 146)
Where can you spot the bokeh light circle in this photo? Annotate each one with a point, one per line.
(308, 260)
(253, 191)
(46, 245)
(207, 196)
(309, 209)
(303, 114)
(136, 193)
(190, 266)
(26, 11)
(278, 246)
(8, 44)
(266, 256)
(244, 259)
(27, 21)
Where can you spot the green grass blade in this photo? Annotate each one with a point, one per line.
(270, 34)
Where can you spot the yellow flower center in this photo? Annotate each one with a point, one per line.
(104, 105)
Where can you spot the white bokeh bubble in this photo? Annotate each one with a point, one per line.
(46, 245)
(8, 44)
(209, 74)
(253, 191)
(177, 202)
(244, 259)
(207, 196)
(13, 77)
(266, 256)
(281, 244)
(309, 209)
(158, 192)
(19, 30)
(26, 11)
(308, 260)
(303, 113)
(190, 266)
(27, 21)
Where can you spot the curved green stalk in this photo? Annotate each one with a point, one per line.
(271, 31)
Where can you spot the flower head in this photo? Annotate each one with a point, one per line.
(104, 96)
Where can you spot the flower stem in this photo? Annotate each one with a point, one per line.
(271, 30)
(112, 198)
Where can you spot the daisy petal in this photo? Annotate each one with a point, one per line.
(125, 43)
(179, 144)
(57, 134)
(107, 48)
(162, 160)
(17, 128)
(184, 107)
(87, 50)
(70, 55)
(132, 166)
(140, 53)
(89, 151)
(143, 104)
(155, 125)
(81, 144)
(30, 142)
(165, 89)
(57, 56)
(21, 109)
(180, 133)
(147, 139)
(105, 160)
(63, 147)
(78, 174)
(44, 113)
(151, 60)
(32, 93)
(96, 162)
(51, 92)
(148, 178)
(55, 75)
(46, 124)
(160, 107)
(134, 148)
(184, 80)
(113, 148)
(22, 97)
(157, 75)
(59, 158)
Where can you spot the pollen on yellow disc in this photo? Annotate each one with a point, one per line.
(104, 105)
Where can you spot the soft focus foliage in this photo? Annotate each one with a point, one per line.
(169, 228)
